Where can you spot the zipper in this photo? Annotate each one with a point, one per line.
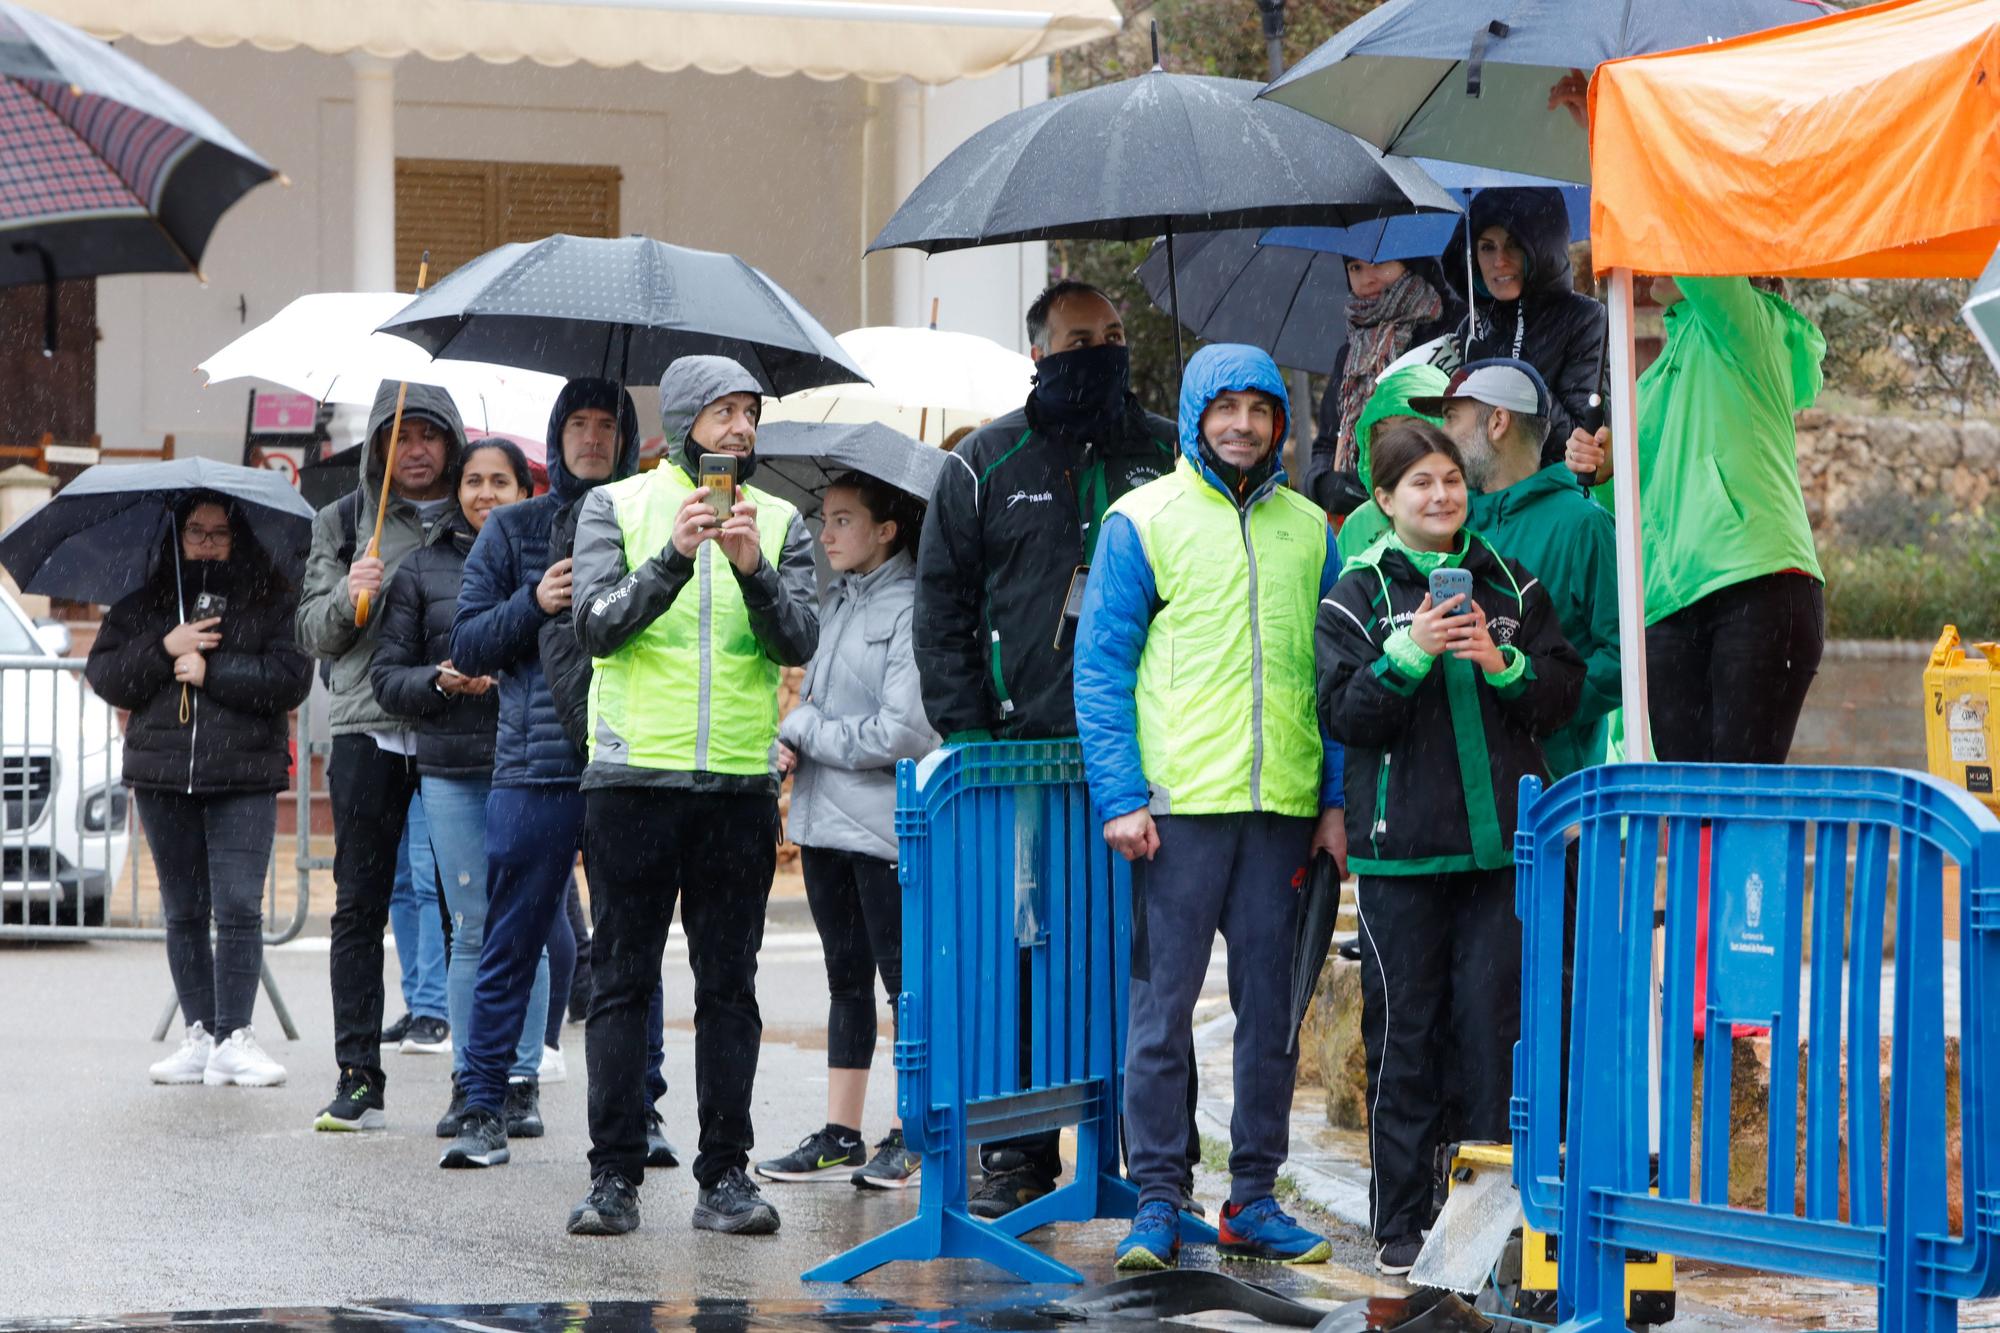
(1256, 676)
(194, 736)
(703, 620)
(1381, 806)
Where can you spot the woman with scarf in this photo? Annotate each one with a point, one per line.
(204, 659)
(1396, 305)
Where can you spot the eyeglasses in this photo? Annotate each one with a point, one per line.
(194, 536)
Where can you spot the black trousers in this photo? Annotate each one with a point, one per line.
(716, 854)
(371, 791)
(1726, 678)
(857, 907)
(1440, 1013)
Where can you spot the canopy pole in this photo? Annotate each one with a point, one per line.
(1625, 496)
(1174, 294)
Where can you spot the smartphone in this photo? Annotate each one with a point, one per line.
(1449, 583)
(452, 671)
(210, 604)
(1072, 607)
(718, 473)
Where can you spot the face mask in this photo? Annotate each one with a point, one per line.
(1083, 391)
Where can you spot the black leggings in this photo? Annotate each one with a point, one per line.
(857, 905)
(1726, 678)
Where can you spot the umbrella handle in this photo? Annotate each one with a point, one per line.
(362, 600)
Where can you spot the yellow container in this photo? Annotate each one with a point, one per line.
(1960, 717)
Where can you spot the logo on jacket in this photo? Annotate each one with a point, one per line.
(1503, 629)
(1038, 497)
(1142, 473)
(612, 598)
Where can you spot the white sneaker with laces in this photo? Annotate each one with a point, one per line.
(241, 1061)
(186, 1064)
(555, 1068)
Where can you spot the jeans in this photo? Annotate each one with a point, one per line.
(561, 954)
(370, 790)
(1726, 678)
(417, 921)
(716, 854)
(1234, 873)
(579, 929)
(211, 854)
(455, 813)
(857, 906)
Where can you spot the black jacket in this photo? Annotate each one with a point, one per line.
(564, 663)
(1012, 517)
(454, 733)
(1554, 328)
(237, 734)
(1434, 763)
(1343, 492)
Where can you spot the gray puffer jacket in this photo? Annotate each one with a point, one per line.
(860, 710)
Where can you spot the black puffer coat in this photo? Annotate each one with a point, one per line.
(236, 737)
(454, 732)
(1554, 328)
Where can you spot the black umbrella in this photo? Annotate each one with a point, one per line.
(1291, 302)
(104, 166)
(1151, 156)
(102, 535)
(624, 309)
(1470, 80)
(798, 459)
(1317, 910)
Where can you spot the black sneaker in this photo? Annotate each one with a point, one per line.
(481, 1141)
(356, 1104)
(893, 1167)
(658, 1151)
(821, 1155)
(610, 1209)
(1004, 1191)
(393, 1034)
(448, 1123)
(1398, 1256)
(1190, 1204)
(523, 1110)
(734, 1204)
(426, 1036)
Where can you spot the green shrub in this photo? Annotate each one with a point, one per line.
(1912, 592)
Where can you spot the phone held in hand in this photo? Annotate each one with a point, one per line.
(1449, 583)
(1072, 608)
(718, 473)
(209, 604)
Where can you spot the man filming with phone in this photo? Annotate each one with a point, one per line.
(690, 597)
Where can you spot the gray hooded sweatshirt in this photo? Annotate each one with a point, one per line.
(326, 617)
(860, 709)
(614, 603)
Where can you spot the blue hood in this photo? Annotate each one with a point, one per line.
(1218, 369)
(607, 396)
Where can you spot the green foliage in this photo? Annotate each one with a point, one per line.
(1912, 590)
(1901, 344)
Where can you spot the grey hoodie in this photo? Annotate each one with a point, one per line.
(326, 616)
(860, 709)
(615, 603)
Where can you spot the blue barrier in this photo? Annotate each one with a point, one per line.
(1003, 861)
(1900, 830)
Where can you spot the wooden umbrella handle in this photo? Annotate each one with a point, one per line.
(361, 599)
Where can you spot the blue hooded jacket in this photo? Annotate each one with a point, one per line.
(499, 621)
(1121, 598)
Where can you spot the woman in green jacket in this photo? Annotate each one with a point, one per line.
(1735, 617)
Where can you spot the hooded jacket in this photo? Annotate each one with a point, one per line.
(1718, 451)
(1194, 663)
(1553, 327)
(454, 732)
(498, 628)
(1436, 747)
(1365, 526)
(236, 735)
(661, 729)
(1014, 516)
(860, 710)
(326, 616)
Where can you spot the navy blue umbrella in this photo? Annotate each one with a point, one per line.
(102, 535)
(1470, 80)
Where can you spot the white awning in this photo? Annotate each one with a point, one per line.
(932, 41)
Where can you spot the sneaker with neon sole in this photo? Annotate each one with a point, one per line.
(1262, 1230)
(1154, 1242)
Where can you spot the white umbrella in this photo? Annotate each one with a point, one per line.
(325, 344)
(926, 383)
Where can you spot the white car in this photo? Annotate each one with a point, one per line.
(65, 816)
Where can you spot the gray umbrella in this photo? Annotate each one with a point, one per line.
(623, 309)
(102, 535)
(797, 459)
(1291, 302)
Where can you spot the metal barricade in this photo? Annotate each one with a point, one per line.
(1016, 933)
(73, 861)
(1807, 864)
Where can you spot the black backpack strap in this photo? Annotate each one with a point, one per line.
(348, 510)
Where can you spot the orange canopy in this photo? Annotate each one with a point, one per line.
(1865, 144)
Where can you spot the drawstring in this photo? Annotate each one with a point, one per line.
(180, 610)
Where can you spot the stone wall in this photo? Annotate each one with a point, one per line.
(1846, 460)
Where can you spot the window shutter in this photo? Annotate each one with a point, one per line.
(459, 210)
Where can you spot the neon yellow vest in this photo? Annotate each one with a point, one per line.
(1228, 720)
(694, 691)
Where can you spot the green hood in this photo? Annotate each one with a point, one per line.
(1391, 398)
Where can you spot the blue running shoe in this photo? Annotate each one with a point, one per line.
(1154, 1242)
(1262, 1230)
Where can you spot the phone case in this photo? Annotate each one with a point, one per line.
(1449, 583)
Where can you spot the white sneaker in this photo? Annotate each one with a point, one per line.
(554, 1067)
(186, 1064)
(240, 1060)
